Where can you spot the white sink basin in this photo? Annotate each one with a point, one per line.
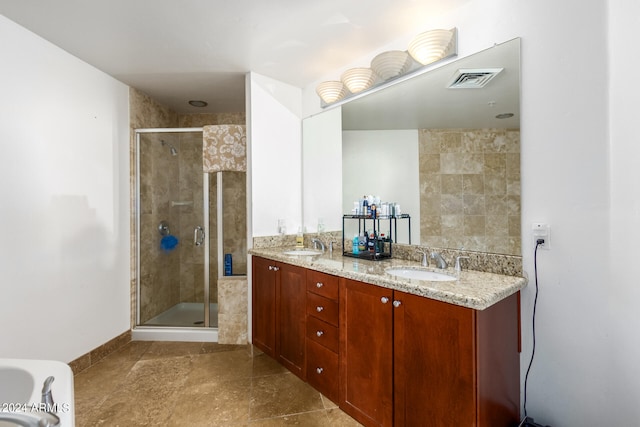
(418, 274)
(21, 387)
(302, 252)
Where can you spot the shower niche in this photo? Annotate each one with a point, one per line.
(186, 222)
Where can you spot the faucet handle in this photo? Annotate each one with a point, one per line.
(458, 267)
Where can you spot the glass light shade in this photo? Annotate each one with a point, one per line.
(358, 79)
(430, 46)
(331, 91)
(393, 63)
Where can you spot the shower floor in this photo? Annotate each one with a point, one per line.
(186, 314)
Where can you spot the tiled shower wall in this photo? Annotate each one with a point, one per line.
(470, 189)
(176, 276)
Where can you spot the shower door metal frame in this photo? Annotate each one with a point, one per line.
(205, 189)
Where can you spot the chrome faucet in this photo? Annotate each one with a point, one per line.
(440, 262)
(317, 242)
(47, 398)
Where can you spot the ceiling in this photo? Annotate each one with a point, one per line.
(176, 51)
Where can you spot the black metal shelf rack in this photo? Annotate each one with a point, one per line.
(375, 227)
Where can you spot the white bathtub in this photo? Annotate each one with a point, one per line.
(21, 384)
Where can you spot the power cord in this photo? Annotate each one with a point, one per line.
(539, 242)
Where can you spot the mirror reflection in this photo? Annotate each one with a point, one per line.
(449, 155)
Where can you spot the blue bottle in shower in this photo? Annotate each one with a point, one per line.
(227, 265)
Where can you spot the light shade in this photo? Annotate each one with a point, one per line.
(331, 91)
(393, 63)
(431, 46)
(358, 79)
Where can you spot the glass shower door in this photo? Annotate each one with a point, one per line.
(173, 246)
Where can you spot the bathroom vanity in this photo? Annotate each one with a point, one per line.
(392, 351)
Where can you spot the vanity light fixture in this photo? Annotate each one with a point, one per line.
(390, 64)
(431, 46)
(426, 49)
(331, 91)
(358, 79)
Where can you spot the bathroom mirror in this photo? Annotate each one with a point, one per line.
(450, 156)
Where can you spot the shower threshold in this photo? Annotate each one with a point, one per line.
(182, 322)
(186, 314)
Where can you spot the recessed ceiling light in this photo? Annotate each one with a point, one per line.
(195, 103)
(504, 116)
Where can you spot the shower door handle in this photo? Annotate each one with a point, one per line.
(198, 236)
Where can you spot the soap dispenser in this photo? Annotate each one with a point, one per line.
(299, 238)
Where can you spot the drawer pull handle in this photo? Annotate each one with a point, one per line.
(319, 370)
(319, 285)
(319, 333)
(319, 308)
(396, 303)
(384, 300)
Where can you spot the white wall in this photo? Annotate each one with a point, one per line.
(622, 289)
(64, 215)
(385, 164)
(275, 134)
(582, 181)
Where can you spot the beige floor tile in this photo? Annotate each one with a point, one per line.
(283, 394)
(264, 365)
(163, 349)
(197, 384)
(213, 404)
(220, 366)
(337, 418)
(307, 419)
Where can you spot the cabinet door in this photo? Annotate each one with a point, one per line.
(434, 364)
(366, 359)
(263, 300)
(290, 322)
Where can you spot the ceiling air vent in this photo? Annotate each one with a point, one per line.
(472, 78)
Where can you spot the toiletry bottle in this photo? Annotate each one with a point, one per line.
(228, 265)
(299, 238)
(371, 242)
(356, 243)
(365, 206)
(362, 243)
(381, 243)
(374, 211)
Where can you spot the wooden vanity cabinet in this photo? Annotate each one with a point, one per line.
(279, 306)
(263, 303)
(322, 333)
(407, 360)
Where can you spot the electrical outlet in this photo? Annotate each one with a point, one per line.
(540, 230)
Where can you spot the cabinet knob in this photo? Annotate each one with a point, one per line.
(384, 300)
(319, 308)
(397, 303)
(319, 333)
(270, 267)
(319, 285)
(319, 370)
(276, 268)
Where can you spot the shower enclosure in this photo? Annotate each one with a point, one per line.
(187, 224)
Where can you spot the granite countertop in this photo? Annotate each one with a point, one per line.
(473, 289)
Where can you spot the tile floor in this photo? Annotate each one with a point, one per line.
(197, 384)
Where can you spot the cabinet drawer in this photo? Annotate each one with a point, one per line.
(322, 333)
(322, 370)
(322, 284)
(322, 308)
